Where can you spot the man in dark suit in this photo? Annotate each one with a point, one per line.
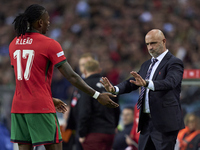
(160, 81)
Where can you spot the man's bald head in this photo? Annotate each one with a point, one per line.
(156, 42)
(156, 33)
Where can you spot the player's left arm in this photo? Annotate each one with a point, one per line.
(77, 81)
(56, 56)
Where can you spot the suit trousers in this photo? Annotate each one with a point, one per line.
(98, 141)
(152, 139)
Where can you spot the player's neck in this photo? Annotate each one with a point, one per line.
(33, 30)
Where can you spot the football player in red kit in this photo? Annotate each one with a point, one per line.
(33, 56)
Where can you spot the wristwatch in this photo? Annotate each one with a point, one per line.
(147, 83)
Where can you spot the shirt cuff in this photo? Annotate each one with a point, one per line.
(151, 85)
(116, 90)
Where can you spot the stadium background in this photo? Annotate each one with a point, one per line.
(113, 31)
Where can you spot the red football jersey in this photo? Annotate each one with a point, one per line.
(33, 57)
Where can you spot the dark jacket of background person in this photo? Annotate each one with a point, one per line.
(74, 112)
(74, 117)
(72, 122)
(93, 118)
(119, 143)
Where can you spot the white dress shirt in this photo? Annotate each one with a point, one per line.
(151, 85)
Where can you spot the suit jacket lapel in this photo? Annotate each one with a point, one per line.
(162, 63)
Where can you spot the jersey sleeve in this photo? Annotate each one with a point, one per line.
(55, 53)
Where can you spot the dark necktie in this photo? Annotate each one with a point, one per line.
(139, 103)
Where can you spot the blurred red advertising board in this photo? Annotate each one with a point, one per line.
(191, 74)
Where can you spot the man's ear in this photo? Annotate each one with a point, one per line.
(40, 23)
(164, 41)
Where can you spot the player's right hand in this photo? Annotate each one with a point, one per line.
(104, 99)
(60, 106)
(107, 85)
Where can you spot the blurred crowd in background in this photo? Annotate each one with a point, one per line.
(113, 31)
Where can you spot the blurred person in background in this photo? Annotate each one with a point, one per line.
(33, 57)
(72, 122)
(127, 122)
(67, 134)
(189, 138)
(133, 138)
(96, 125)
(160, 80)
(5, 143)
(84, 58)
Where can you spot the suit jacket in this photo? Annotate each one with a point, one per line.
(164, 101)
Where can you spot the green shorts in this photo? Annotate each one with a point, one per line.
(35, 129)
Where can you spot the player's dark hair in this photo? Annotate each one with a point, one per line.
(24, 21)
